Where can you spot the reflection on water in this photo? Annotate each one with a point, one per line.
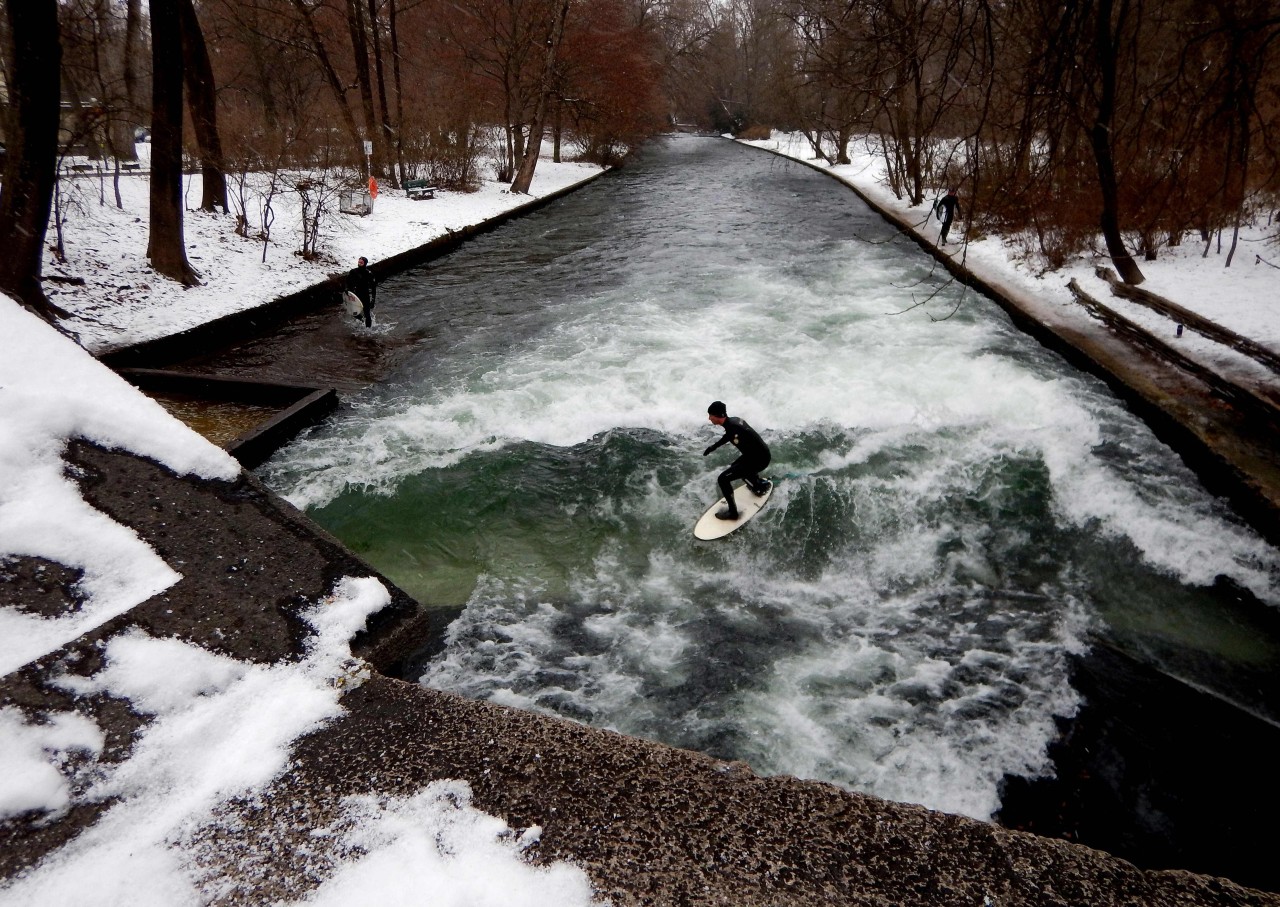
(220, 421)
(322, 348)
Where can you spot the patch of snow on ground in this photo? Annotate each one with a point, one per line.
(223, 729)
(50, 393)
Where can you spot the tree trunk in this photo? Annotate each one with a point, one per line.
(509, 165)
(32, 151)
(202, 99)
(380, 81)
(815, 142)
(555, 132)
(524, 176)
(360, 50)
(118, 123)
(132, 28)
(397, 85)
(843, 135)
(1100, 139)
(166, 246)
(1245, 65)
(1110, 219)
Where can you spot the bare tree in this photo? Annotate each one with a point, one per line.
(555, 33)
(335, 84)
(496, 38)
(1110, 22)
(94, 58)
(829, 98)
(360, 51)
(397, 84)
(385, 128)
(682, 31)
(129, 69)
(318, 190)
(1244, 36)
(608, 94)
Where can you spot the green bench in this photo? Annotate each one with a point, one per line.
(419, 189)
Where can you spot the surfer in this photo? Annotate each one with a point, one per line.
(753, 456)
(361, 283)
(946, 209)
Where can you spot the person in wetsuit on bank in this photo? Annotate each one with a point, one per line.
(753, 457)
(946, 209)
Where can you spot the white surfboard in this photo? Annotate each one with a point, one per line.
(710, 526)
(351, 305)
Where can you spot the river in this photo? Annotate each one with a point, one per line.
(958, 511)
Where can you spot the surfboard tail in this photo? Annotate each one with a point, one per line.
(709, 526)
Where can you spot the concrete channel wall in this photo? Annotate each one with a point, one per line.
(298, 407)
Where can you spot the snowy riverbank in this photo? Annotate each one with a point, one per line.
(1244, 297)
(123, 302)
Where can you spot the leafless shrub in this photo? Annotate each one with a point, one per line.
(449, 158)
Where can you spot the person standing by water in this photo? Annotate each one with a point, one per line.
(361, 282)
(947, 208)
(753, 457)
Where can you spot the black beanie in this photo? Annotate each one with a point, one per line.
(716, 409)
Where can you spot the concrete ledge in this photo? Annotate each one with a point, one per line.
(250, 563)
(653, 825)
(254, 447)
(302, 406)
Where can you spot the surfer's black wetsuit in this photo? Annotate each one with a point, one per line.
(360, 282)
(753, 457)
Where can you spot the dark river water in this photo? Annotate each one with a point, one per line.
(958, 515)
